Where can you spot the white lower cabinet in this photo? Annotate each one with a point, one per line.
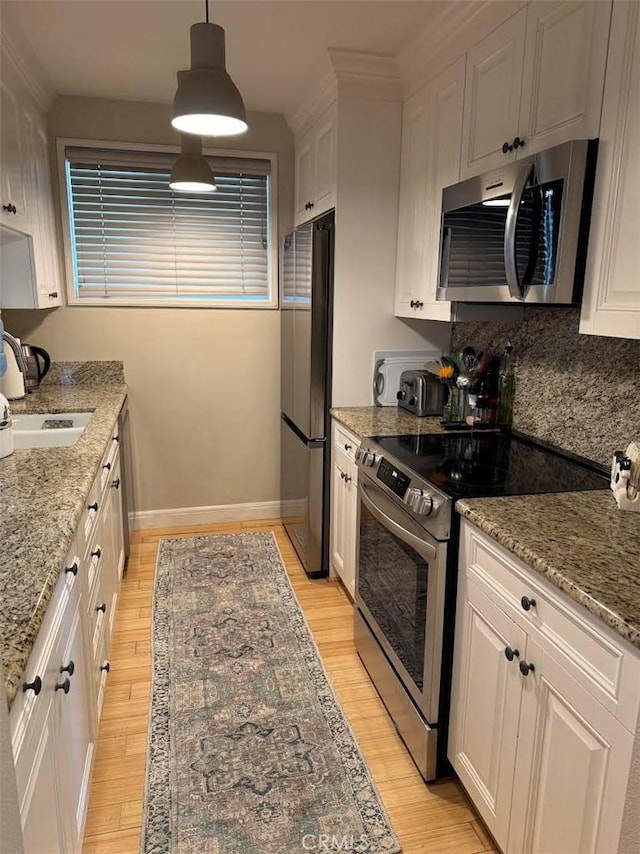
(538, 735)
(344, 506)
(54, 718)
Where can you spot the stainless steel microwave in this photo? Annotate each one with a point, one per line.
(519, 233)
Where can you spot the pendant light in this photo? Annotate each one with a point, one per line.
(208, 102)
(191, 173)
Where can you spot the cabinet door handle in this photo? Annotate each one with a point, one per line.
(347, 447)
(93, 506)
(347, 478)
(116, 483)
(511, 653)
(525, 668)
(116, 438)
(97, 553)
(527, 603)
(35, 686)
(506, 148)
(73, 569)
(416, 303)
(518, 143)
(65, 685)
(70, 668)
(102, 608)
(342, 475)
(106, 667)
(107, 466)
(10, 208)
(53, 295)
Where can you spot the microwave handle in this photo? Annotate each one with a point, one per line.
(515, 288)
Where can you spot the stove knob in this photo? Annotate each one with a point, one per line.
(412, 497)
(365, 457)
(424, 505)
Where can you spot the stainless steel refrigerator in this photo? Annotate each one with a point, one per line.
(306, 288)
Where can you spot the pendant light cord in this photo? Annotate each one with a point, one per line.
(206, 11)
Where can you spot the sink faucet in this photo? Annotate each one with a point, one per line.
(17, 352)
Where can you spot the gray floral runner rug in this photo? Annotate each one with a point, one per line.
(249, 751)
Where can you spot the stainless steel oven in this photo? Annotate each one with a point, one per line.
(400, 608)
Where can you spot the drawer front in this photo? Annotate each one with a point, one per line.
(108, 462)
(345, 440)
(589, 650)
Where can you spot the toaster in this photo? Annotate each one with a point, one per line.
(421, 393)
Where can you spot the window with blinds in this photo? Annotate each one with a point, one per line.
(135, 241)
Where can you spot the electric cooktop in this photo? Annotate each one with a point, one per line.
(490, 463)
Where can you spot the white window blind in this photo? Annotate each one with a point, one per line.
(134, 239)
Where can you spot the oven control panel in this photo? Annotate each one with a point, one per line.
(395, 480)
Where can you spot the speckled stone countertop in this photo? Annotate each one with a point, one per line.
(367, 421)
(580, 541)
(42, 494)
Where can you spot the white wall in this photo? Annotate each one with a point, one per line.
(204, 383)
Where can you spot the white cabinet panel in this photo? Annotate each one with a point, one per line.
(41, 831)
(304, 176)
(485, 704)
(545, 763)
(611, 304)
(431, 134)
(492, 96)
(315, 158)
(344, 506)
(565, 57)
(573, 764)
(13, 174)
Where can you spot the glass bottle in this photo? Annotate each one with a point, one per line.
(506, 383)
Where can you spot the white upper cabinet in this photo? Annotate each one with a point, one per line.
(431, 134)
(492, 97)
(535, 82)
(564, 65)
(315, 158)
(13, 162)
(611, 304)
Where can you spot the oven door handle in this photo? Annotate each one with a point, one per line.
(395, 527)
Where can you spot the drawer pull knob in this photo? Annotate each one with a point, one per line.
(511, 653)
(93, 506)
(10, 208)
(102, 608)
(527, 603)
(70, 668)
(97, 553)
(107, 466)
(53, 295)
(347, 478)
(525, 668)
(116, 483)
(73, 569)
(506, 148)
(518, 143)
(64, 686)
(106, 667)
(35, 686)
(347, 447)
(116, 438)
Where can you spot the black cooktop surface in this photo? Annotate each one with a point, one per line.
(484, 464)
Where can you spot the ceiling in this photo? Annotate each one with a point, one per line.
(131, 49)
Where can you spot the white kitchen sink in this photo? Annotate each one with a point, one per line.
(49, 429)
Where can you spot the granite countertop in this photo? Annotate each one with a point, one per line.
(580, 541)
(42, 495)
(367, 421)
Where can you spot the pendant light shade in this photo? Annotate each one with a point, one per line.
(208, 102)
(191, 173)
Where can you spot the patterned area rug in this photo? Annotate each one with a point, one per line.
(249, 751)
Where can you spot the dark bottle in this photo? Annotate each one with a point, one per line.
(506, 387)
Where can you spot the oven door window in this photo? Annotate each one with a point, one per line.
(392, 583)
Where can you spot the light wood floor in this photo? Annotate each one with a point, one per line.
(427, 819)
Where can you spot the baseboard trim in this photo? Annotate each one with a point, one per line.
(178, 516)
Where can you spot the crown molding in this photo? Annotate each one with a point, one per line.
(20, 55)
(368, 75)
(462, 24)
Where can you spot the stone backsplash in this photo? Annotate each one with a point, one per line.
(579, 392)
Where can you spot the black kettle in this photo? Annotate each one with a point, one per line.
(38, 363)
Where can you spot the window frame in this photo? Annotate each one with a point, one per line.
(72, 299)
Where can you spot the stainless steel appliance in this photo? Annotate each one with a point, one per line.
(306, 286)
(407, 561)
(37, 362)
(519, 233)
(421, 393)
